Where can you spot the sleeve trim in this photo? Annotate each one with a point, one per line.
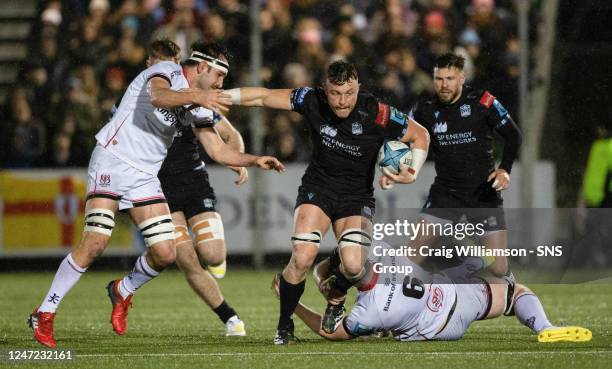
(160, 75)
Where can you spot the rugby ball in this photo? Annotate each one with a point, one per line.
(392, 154)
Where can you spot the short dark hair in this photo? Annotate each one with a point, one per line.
(340, 72)
(449, 60)
(214, 49)
(163, 49)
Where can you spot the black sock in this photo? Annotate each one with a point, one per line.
(289, 297)
(224, 312)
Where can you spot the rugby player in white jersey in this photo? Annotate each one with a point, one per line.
(122, 175)
(415, 305)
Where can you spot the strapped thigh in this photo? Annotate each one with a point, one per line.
(100, 220)
(208, 229)
(157, 229)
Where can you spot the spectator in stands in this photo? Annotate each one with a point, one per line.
(299, 39)
(182, 29)
(309, 50)
(493, 29)
(87, 47)
(26, 137)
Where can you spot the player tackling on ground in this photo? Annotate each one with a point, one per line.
(122, 175)
(421, 306)
(347, 128)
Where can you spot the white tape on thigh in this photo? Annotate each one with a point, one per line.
(307, 237)
(157, 229)
(354, 237)
(100, 220)
(181, 234)
(208, 230)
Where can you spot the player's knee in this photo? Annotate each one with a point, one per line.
(211, 253)
(207, 230)
(352, 269)
(302, 260)
(353, 245)
(212, 258)
(163, 254)
(157, 229)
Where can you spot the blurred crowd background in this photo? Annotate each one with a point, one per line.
(83, 53)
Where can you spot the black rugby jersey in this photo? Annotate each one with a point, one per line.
(462, 137)
(183, 156)
(345, 149)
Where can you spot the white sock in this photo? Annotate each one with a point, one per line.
(529, 311)
(66, 277)
(141, 274)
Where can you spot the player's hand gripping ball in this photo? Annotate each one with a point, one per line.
(392, 155)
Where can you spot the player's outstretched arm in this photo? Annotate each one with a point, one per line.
(164, 97)
(224, 154)
(260, 96)
(313, 319)
(232, 137)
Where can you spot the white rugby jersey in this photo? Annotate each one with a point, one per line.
(413, 306)
(139, 133)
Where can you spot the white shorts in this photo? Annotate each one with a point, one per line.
(112, 178)
(473, 303)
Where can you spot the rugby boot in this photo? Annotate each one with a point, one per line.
(285, 336)
(42, 324)
(332, 317)
(565, 334)
(235, 327)
(120, 307)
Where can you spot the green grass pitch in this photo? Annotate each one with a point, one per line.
(169, 327)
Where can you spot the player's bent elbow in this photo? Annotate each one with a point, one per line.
(424, 136)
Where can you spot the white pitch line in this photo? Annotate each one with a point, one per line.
(361, 353)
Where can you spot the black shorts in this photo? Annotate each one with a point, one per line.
(483, 205)
(189, 192)
(334, 206)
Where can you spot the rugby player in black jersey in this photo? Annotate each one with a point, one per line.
(461, 122)
(192, 200)
(347, 128)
